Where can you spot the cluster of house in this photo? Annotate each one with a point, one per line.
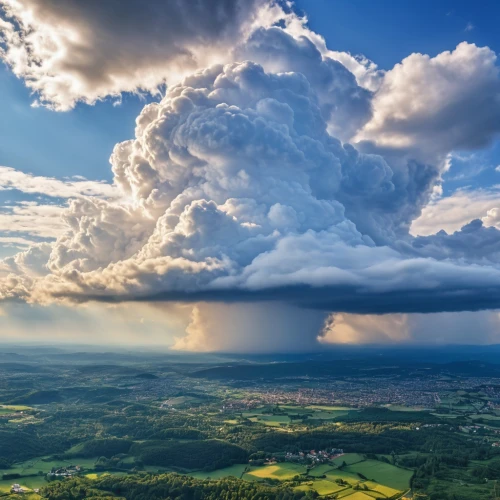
(17, 488)
(314, 456)
(496, 445)
(68, 471)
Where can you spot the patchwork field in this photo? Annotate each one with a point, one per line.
(382, 479)
(289, 414)
(349, 477)
(322, 486)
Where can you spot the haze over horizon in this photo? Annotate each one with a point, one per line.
(284, 176)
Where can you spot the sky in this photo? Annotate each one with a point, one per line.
(208, 176)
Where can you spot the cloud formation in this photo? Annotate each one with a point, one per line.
(69, 51)
(434, 105)
(452, 212)
(427, 329)
(241, 184)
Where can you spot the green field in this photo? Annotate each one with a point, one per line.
(382, 473)
(485, 416)
(328, 415)
(270, 417)
(406, 408)
(319, 470)
(271, 420)
(235, 471)
(348, 458)
(28, 483)
(43, 464)
(351, 477)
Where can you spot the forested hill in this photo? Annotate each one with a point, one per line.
(168, 486)
(351, 368)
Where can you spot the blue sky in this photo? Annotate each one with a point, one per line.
(78, 142)
(389, 30)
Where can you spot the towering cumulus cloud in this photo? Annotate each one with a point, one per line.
(279, 179)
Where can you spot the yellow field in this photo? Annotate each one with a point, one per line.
(385, 490)
(358, 495)
(281, 471)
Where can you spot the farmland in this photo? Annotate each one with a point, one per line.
(293, 415)
(342, 475)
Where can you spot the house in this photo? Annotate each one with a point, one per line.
(16, 488)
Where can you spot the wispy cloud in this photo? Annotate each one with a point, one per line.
(11, 179)
(28, 222)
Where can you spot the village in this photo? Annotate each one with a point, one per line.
(314, 457)
(309, 458)
(55, 473)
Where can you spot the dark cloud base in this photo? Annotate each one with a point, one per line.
(348, 300)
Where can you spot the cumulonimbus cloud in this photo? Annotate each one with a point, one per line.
(237, 187)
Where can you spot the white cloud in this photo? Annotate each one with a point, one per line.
(42, 221)
(11, 178)
(452, 212)
(427, 329)
(433, 105)
(85, 51)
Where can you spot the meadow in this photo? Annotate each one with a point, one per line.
(382, 473)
